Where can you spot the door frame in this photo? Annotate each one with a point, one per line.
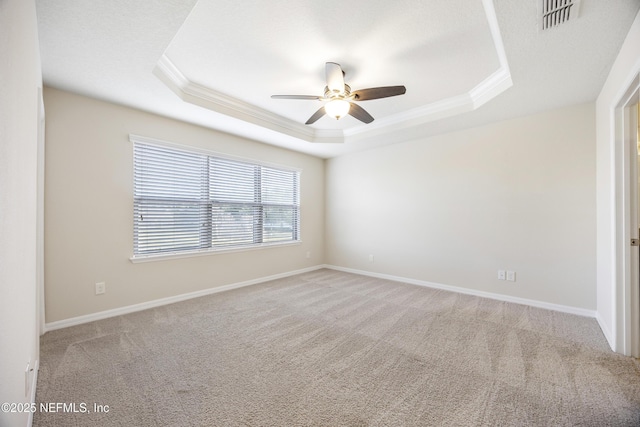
(40, 302)
(627, 257)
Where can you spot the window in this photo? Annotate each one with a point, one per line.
(187, 201)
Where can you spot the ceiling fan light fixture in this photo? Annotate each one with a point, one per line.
(339, 96)
(337, 108)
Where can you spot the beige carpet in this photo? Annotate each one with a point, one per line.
(328, 348)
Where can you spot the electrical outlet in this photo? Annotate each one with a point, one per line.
(101, 288)
(308, 254)
(502, 275)
(370, 258)
(511, 276)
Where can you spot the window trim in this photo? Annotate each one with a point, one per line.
(204, 252)
(212, 251)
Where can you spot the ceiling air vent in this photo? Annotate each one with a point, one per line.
(556, 12)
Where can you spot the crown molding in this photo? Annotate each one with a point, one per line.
(216, 101)
(487, 89)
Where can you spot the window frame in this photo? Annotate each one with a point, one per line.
(135, 258)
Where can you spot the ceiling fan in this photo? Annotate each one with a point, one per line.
(340, 98)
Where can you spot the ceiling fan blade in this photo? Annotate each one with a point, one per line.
(359, 113)
(296, 97)
(335, 77)
(378, 92)
(316, 116)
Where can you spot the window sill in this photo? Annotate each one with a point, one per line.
(205, 252)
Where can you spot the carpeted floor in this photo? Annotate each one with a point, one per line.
(328, 348)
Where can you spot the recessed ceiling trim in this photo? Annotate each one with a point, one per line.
(487, 89)
(208, 98)
(491, 87)
(427, 113)
(492, 20)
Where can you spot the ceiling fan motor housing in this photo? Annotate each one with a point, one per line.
(329, 94)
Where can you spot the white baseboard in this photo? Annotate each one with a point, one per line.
(611, 339)
(500, 297)
(65, 323)
(73, 321)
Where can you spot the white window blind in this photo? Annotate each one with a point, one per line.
(189, 201)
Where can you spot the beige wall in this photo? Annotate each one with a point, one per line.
(89, 210)
(625, 68)
(517, 195)
(20, 80)
(453, 209)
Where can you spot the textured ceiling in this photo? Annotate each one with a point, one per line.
(216, 62)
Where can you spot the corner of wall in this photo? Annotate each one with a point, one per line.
(608, 205)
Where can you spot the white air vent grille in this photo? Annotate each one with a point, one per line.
(556, 12)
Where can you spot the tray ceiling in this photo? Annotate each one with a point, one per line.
(216, 63)
(449, 55)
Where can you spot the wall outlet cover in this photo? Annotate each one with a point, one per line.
(101, 288)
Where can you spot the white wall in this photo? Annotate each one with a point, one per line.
(89, 210)
(453, 209)
(624, 69)
(20, 80)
